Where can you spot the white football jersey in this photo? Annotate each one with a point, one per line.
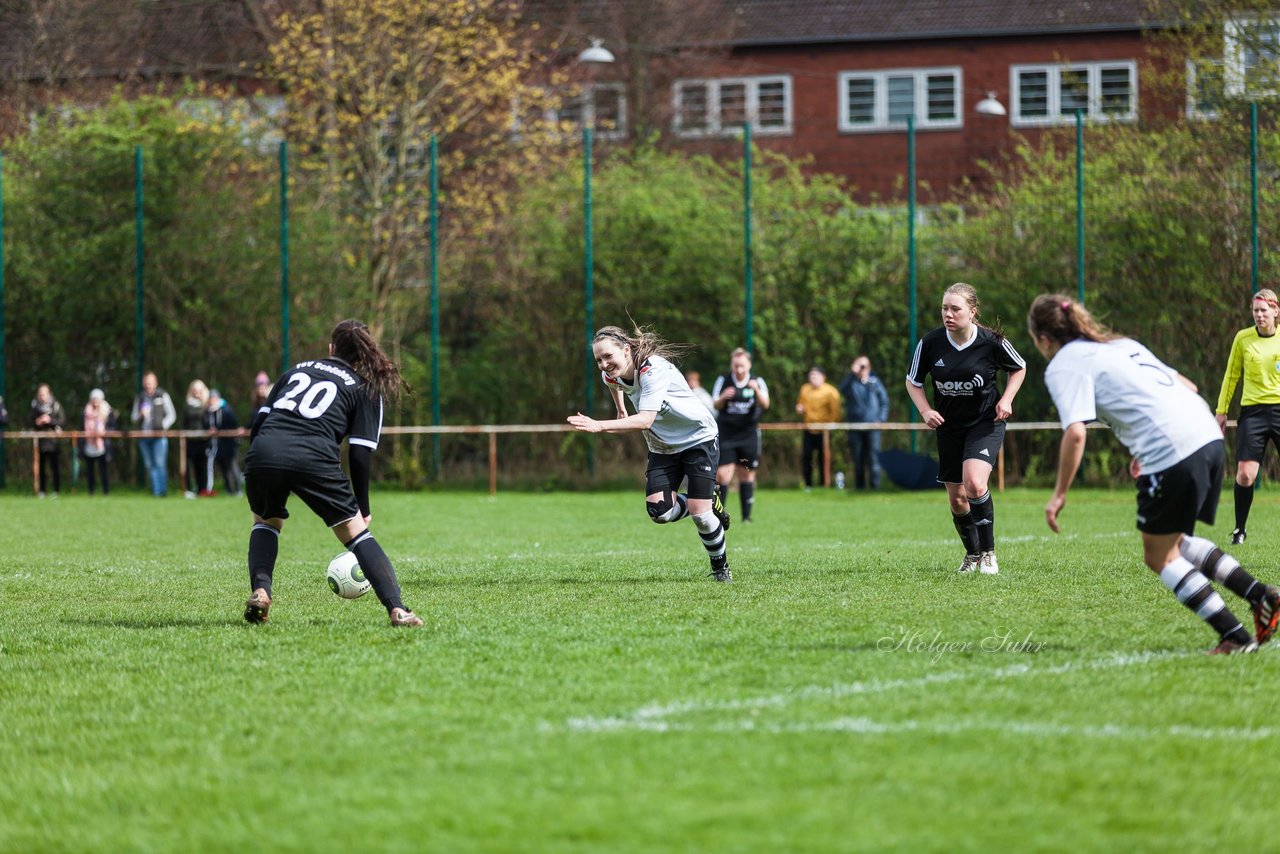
(1121, 383)
(682, 420)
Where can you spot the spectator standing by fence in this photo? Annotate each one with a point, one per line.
(47, 417)
(153, 410)
(865, 402)
(1255, 363)
(261, 390)
(818, 403)
(199, 477)
(225, 450)
(95, 447)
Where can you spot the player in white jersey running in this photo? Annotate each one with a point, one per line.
(680, 431)
(1176, 444)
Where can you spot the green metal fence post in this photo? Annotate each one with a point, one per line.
(1253, 191)
(285, 362)
(912, 333)
(746, 229)
(435, 308)
(589, 291)
(1080, 205)
(139, 258)
(3, 391)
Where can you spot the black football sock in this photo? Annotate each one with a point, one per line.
(377, 568)
(1221, 567)
(984, 521)
(1194, 590)
(747, 495)
(1244, 500)
(712, 534)
(264, 545)
(968, 536)
(724, 492)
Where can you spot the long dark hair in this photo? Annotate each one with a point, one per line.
(353, 344)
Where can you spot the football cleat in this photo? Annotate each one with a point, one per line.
(987, 564)
(717, 507)
(1230, 647)
(970, 563)
(257, 606)
(1237, 536)
(1266, 614)
(722, 573)
(404, 618)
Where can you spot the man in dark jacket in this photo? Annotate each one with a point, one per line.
(865, 401)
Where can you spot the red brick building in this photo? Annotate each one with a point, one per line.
(835, 80)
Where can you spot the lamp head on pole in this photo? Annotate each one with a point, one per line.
(990, 106)
(596, 53)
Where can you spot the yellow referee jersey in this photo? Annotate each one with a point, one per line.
(1257, 359)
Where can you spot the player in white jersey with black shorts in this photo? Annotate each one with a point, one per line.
(1178, 460)
(740, 398)
(295, 439)
(968, 413)
(680, 431)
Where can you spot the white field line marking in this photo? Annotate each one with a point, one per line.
(840, 546)
(867, 726)
(656, 717)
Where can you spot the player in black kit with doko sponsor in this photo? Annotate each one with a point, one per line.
(968, 413)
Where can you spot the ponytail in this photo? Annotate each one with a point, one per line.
(1061, 319)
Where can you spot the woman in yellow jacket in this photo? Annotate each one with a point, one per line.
(1255, 358)
(818, 403)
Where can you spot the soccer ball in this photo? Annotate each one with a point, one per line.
(346, 578)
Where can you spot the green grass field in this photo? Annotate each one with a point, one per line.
(582, 686)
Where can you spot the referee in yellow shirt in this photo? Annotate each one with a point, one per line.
(1255, 357)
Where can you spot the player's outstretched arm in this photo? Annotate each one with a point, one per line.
(1070, 452)
(630, 424)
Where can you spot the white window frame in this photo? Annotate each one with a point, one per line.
(271, 108)
(881, 121)
(1056, 116)
(713, 85)
(1193, 80)
(588, 99)
(1234, 73)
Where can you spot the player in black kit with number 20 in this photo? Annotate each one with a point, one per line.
(968, 413)
(295, 440)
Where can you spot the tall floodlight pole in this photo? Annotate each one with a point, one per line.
(596, 54)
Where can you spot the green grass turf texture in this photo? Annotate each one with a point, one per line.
(582, 686)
